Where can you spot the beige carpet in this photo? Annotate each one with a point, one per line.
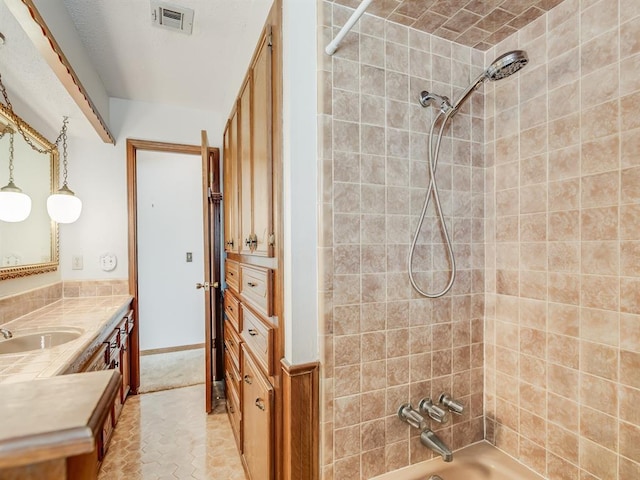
(164, 371)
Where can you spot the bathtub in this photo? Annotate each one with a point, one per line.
(481, 461)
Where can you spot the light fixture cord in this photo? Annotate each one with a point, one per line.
(11, 158)
(18, 122)
(63, 134)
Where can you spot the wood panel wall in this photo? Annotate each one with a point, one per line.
(301, 421)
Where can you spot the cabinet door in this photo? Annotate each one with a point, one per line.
(246, 182)
(231, 213)
(261, 122)
(257, 425)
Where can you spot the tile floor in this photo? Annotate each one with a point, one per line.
(167, 435)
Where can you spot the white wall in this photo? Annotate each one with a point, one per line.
(171, 310)
(97, 173)
(300, 182)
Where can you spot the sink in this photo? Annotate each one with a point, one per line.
(40, 340)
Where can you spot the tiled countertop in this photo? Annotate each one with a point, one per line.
(53, 418)
(91, 314)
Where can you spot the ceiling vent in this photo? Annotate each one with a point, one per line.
(172, 17)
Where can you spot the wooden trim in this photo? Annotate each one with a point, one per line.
(133, 146)
(38, 31)
(180, 348)
(301, 421)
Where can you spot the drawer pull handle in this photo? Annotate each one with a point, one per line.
(260, 404)
(231, 409)
(231, 274)
(253, 332)
(230, 309)
(247, 380)
(251, 284)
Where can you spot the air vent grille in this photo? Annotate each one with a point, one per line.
(172, 17)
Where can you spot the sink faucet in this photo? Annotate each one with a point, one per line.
(6, 333)
(432, 441)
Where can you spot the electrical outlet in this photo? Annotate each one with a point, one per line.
(76, 262)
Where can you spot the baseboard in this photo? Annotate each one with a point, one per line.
(179, 348)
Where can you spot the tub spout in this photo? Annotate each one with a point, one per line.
(432, 441)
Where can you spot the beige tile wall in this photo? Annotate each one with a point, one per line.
(562, 326)
(14, 306)
(382, 344)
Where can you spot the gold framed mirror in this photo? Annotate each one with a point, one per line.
(29, 247)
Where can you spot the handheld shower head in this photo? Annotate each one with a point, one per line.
(505, 65)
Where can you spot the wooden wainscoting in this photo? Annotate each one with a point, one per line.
(301, 421)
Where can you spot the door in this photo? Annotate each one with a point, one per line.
(211, 198)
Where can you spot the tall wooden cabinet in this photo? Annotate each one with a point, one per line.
(252, 298)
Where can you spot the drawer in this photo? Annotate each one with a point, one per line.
(232, 342)
(232, 274)
(258, 337)
(256, 288)
(98, 361)
(231, 373)
(130, 321)
(235, 417)
(232, 310)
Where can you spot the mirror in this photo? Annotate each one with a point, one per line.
(29, 247)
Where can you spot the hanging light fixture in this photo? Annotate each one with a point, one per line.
(15, 206)
(63, 206)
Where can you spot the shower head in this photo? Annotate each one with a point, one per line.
(506, 65)
(502, 67)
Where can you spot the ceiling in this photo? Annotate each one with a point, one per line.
(479, 24)
(136, 60)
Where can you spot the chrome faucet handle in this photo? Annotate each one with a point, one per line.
(407, 414)
(452, 405)
(436, 413)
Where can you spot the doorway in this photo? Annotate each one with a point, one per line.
(171, 242)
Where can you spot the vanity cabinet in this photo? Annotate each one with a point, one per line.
(112, 353)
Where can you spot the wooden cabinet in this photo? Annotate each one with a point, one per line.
(257, 411)
(113, 353)
(249, 162)
(253, 336)
(230, 184)
(262, 236)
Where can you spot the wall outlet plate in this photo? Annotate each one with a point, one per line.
(108, 262)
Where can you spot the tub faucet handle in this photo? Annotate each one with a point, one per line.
(434, 412)
(452, 405)
(407, 414)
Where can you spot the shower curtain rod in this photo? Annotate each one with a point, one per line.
(333, 45)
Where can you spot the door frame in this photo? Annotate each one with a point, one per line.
(133, 146)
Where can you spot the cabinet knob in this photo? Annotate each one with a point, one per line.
(260, 404)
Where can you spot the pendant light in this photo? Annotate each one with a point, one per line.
(63, 206)
(15, 206)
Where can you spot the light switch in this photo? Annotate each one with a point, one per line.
(189, 257)
(76, 262)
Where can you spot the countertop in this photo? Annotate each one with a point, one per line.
(91, 314)
(52, 418)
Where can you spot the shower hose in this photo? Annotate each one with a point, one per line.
(432, 190)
